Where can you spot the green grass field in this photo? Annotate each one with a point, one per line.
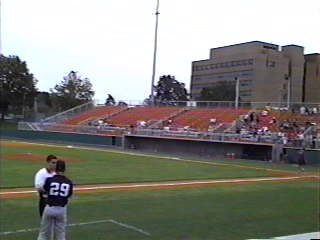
(96, 167)
(233, 212)
(197, 213)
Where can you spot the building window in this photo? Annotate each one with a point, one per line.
(271, 63)
(245, 83)
(245, 93)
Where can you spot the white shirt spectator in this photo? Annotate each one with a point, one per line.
(213, 120)
(314, 110)
(302, 110)
(142, 123)
(41, 177)
(285, 140)
(300, 136)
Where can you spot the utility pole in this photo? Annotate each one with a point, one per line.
(154, 54)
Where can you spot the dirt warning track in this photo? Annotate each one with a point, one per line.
(24, 193)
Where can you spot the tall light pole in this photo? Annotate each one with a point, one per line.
(154, 54)
(237, 92)
(0, 31)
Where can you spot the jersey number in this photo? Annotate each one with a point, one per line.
(57, 189)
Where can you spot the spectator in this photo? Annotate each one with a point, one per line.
(314, 139)
(213, 121)
(252, 116)
(246, 118)
(314, 110)
(273, 120)
(264, 113)
(142, 124)
(285, 157)
(284, 139)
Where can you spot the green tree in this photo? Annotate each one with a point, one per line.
(72, 91)
(221, 91)
(17, 85)
(169, 91)
(44, 103)
(122, 103)
(110, 101)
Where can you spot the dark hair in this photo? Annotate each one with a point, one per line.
(60, 166)
(50, 157)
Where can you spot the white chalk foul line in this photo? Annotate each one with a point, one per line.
(173, 184)
(303, 236)
(130, 227)
(37, 229)
(81, 224)
(189, 183)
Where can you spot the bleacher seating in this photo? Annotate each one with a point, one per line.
(199, 118)
(135, 115)
(92, 115)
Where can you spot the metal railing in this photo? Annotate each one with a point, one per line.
(218, 104)
(308, 142)
(226, 137)
(52, 127)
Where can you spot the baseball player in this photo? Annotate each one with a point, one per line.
(301, 160)
(40, 179)
(59, 188)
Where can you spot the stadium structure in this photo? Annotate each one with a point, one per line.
(268, 133)
(276, 111)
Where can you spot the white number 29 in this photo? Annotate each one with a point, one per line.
(57, 189)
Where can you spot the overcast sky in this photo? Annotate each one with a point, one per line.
(111, 41)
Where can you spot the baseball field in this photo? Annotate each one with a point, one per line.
(131, 196)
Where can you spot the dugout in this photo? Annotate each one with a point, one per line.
(198, 148)
(312, 156)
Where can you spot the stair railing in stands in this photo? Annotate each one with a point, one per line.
(70, 112)
(160, 122)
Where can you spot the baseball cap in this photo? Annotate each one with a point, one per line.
(60, 166)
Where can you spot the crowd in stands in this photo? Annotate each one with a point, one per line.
(281, 126)
(275, 124)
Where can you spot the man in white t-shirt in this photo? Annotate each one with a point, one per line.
(40, 179)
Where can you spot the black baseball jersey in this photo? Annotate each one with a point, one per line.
(59, 189)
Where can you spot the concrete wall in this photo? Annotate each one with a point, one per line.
(68, 138)
(311, 156)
